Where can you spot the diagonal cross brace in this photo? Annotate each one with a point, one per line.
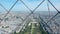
(28, 15)
(32, 11)
(45, 24)
(8, 11)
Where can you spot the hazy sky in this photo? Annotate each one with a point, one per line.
(30, 3)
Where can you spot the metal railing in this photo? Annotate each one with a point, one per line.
(32, 11)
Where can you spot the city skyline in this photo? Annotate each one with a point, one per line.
(30, 3)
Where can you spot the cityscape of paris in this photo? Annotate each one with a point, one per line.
(29, 16)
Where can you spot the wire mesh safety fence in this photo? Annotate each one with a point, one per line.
(45, 25)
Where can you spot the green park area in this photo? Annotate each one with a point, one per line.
(32, 29)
